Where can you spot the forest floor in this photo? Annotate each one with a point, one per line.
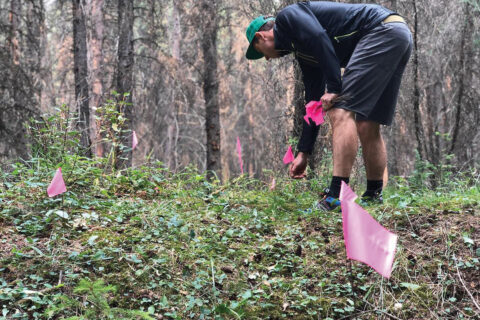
(152, 245)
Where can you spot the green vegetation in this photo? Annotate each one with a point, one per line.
(144, 243)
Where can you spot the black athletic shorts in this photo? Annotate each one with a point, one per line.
(372, 78)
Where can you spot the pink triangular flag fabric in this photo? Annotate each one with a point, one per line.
(366, 240)
(315, 112)
(288, 157)
(347, 194)
(134, 140)
(57, 186)
(239, 152)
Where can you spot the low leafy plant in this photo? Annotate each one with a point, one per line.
(94, 304)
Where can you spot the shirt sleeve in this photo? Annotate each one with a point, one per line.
(314, 82)
(309, 35)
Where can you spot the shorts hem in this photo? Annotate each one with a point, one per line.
(364, 116)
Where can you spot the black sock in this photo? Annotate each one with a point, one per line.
(373, 187)
(335, 186)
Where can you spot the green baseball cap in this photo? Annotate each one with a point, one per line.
(252, 28)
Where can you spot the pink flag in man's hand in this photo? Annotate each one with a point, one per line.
(239, 152)
(57, 186)
(315, 112)
(134, 140)
(288, 156)
(365, 239)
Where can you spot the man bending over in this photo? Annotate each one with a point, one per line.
(373, 44)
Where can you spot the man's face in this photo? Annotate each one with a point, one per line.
(266, 44)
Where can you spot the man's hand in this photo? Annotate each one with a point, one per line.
(298, 166)
(328, 100)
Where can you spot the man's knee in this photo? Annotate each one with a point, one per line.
(338, 116)
(368, 130)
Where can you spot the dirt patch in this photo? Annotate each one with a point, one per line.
(10, 239)
(443, 249)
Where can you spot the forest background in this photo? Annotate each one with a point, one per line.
(192, 92)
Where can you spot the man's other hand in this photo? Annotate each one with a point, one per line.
(298, 166)
(328, 100)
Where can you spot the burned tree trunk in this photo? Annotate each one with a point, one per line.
(12, 37)
(124, 79)
(464, 64)
(210, 86)
(298, 102)
(18, 89)
(81, 73)
(419, 134)
(96, 71)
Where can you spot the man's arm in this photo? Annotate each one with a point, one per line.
(314, 82)
(309, 36)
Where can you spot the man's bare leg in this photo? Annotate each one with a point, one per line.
(373, 149)
(345, 145)
(375, 158)
(345, 141)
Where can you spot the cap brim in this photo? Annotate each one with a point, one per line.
(253, 54)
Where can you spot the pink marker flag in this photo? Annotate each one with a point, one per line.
(288, 157)
(239, 152)
(315, 112)
(365, 239)
(57, 186)
(134, 140)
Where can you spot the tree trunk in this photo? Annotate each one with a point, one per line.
(175, 38)
(176, 35)
(419, 134)
(210, 86)
(125, 75)
(12, 37)
(80, 69)
(464, 65)
(96, 72)
(12, 104)
(298, 101)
